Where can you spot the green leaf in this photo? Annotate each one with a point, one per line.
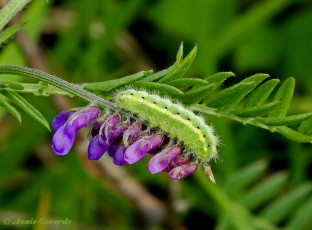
(181, 68)
(257, 110)
(219, 78)
(110, 85)
(265, 190)
(160, 88)
(245, 176)
(158, 75)
(306, 127)
(10, 108)
(15, 86)
(256, 78)
(233, 95)
(27, 107)
(261, 93)
(285, 94)
(196, 95)
(285, 205)
(187, 82)
(5, 35)
(284, 121)
(302, 216)
(293, 135)
(10, 9)
(179, 56)
(230, 95)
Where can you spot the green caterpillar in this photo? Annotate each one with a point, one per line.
(174, 119)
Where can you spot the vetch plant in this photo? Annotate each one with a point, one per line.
(132, 123)
(163, 113)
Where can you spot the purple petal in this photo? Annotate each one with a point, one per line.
(138, 149)
(65, 135)
(96, 149)
(155, 151)
(141, 136)
(119, 155)
(116, 132)
(183, 171)
(154, 141)
(161, 161)
(131, 133)
(61, 119)
(112, 148)
(62, 140)
(180, 160)
(110, 124)
(83, 117)
(135, 152)
(96, 128)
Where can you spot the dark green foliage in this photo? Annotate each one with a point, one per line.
(8, 33)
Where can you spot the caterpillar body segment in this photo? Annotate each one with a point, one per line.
(174, 119)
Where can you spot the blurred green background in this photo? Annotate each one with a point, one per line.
(263, 179)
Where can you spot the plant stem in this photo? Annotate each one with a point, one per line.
(57, 82)
(10, 10)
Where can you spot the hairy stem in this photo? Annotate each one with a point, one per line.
(10, 10)
(57, 82)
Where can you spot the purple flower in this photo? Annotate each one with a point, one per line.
(65, 135)
(104, 140)
(116, 132)
(117, 150)
(180, 160)
(109, 125)
(124, 142)
(61, 119)
(131, 134)
(112, 147)
(162, 160)
(119, 157)
(138, 149)
(96, 148)
(183, 171)
(96, 128)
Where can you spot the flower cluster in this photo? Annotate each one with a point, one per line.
(126, 141)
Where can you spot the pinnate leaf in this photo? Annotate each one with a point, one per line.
(179, 56)
(187, 82)
(285, 94)
(293, 135)
(306, 127)
(230, 95)
(284, 121)
(9, 108)
(261, 93)
(243, 177)
(219, 78)
(302, 217)
(160, 88)
(257, 110)
(254, 81)
(5, 35)
(181, 68)
(196, 95)
(27, 107)
(110, 85)
(265, 190)
(285, 205)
